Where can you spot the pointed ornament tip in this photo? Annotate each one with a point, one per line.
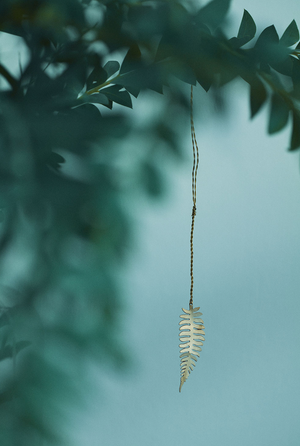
(182, 381)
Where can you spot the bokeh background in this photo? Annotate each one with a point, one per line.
(245, 387)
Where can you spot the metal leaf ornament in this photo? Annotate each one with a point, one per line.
(191, 327)
(191, 337)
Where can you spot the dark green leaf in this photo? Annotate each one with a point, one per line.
(295, 138)
(55, 160)
(180, 70)
(114, 94)
(97, 77)
(129, 81)
(204, 73)
(290, 35)
(204, 82)
(148, 21)
(267, 45)
(238, 43)
(258, 96)
(144, 77)
(226, 76)
(186, 74)
(95, 98)
(279, 114)
(284, 65)
(214, 13)
(265, 67)
(247, 28)
(276, 80)
(131, 60)
(268, 50)
(269, 35)
(164, 50)
(111, 67)
(132, 89)
(296, 76)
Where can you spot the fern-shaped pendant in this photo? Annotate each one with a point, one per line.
(191, 327)
(191, 337)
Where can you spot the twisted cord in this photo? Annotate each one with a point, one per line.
(194, 195)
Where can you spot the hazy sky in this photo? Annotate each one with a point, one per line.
(245, 388)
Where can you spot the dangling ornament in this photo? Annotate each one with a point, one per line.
(191, 327)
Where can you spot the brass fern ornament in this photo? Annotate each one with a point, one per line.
(191, 327)
(191, 337)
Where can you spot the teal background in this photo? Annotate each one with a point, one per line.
(245, 387)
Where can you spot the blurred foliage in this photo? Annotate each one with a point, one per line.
(65, 170)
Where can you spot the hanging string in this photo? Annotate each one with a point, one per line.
(194, 196)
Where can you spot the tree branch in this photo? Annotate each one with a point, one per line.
(10, 79)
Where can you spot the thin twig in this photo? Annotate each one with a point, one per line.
(10, 79)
